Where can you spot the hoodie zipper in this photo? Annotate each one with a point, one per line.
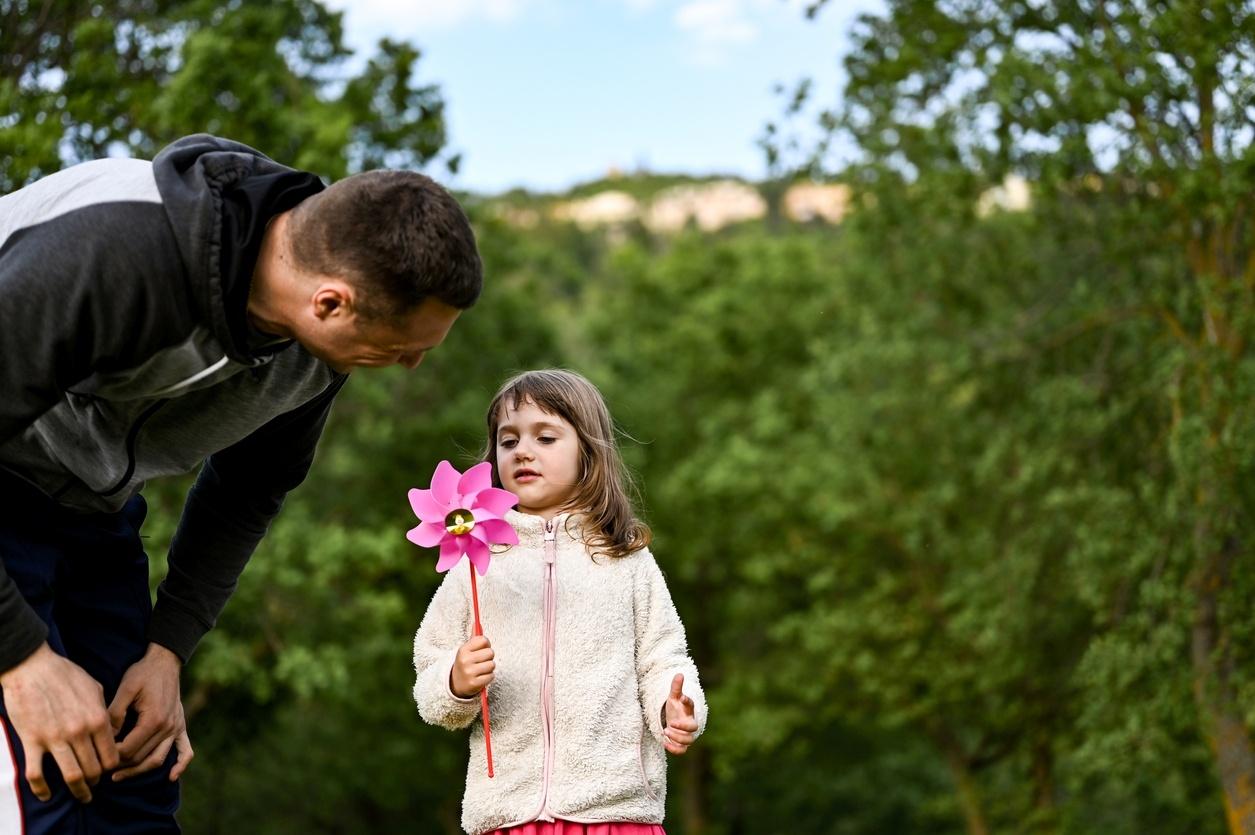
(546, 686)
(132, 437)
(164, 395)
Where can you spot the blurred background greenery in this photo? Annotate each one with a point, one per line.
(955, 496)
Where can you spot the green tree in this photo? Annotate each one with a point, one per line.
(80, 80)
(1143, 106)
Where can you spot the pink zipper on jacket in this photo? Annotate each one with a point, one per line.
(546, 685)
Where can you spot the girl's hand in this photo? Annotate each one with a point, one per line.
(678, 722)
(473, 668)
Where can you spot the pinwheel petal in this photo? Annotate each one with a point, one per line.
(426, 507)
(450, 552)
(478, 553)
(496, 532)
(475, 479)
(495, 500)
(444, 484)
(427, 534)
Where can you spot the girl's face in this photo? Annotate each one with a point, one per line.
(538, 458)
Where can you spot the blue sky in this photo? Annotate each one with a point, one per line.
(548, 93)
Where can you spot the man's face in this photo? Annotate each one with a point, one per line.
(347, 340)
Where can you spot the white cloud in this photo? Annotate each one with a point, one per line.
(410, 15)
(716, 21)
(715, 28)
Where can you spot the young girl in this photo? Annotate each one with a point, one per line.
(591, 679)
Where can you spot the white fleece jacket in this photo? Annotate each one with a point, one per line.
(617, 643)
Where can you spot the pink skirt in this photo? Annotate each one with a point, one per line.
(569, 828)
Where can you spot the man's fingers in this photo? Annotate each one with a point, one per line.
(117, 708)
(677, 686)
(106, 748)
(152, 729)
(148, 763)
(35, 772)
(143, 739)
(71, 773)
(184, 755)
(88, 763)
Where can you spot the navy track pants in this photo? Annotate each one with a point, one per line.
(86, 576)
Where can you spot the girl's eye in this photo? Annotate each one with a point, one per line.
(545, 439)
(507, 443)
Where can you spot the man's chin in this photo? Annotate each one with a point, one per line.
(336, 366)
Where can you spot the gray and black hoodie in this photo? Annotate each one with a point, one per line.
(126, 354)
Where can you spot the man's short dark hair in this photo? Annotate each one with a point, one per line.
(398, 235)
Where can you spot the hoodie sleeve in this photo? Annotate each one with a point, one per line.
(228, 510)
(444, 629)
(661, 648)
(80, 255)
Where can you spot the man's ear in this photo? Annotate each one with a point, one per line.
(332, 299)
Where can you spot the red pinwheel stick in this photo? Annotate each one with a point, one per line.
(483, 694)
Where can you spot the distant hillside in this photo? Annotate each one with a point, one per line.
(665, 203)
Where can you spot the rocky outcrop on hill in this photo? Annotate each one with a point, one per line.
(716, 204)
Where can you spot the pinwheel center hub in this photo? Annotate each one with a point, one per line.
(459, 522)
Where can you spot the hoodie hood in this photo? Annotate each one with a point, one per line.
(219, 196)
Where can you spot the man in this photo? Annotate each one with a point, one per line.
(204, 307)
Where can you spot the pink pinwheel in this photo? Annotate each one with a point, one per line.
(462, 513)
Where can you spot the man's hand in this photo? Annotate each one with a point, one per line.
(58, 709)
(473, 668)
(679, 722)
(151, 686)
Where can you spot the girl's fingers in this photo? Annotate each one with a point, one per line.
(684, 723)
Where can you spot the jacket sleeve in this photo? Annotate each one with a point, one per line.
(444, 629)
(236, 495)
(75, 299)
(661, 648)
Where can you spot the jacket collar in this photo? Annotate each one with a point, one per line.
(531, 529)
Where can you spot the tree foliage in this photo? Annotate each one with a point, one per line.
(954, 503)
(81, 80)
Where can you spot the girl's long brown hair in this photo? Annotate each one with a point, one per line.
(605, 485)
